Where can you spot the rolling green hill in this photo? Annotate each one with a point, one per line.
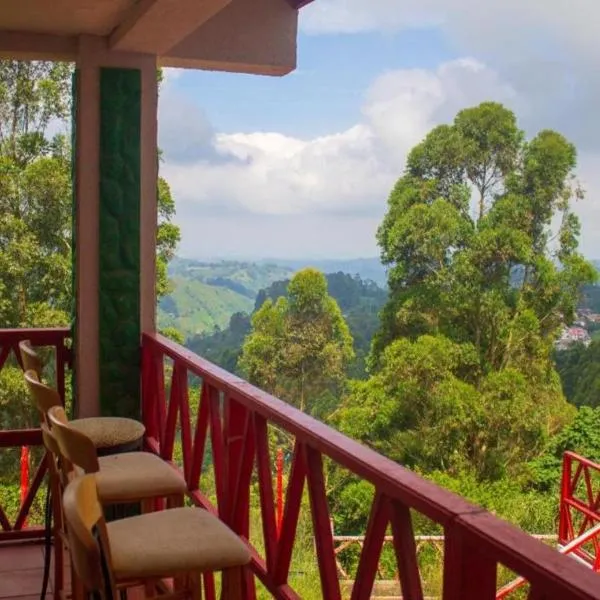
(195, 307)
(206, 294)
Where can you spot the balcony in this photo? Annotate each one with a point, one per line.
(219, 431)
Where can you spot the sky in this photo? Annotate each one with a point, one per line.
(302, 166)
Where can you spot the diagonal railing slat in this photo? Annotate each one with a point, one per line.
(237, 417)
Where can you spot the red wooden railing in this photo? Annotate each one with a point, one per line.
(580, 507)
(236, 415)
(18, 438)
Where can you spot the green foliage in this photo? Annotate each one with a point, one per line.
(428, 407)
(299, 346)
(463, 379)
(195, 307)
(579, 369)
(35, 196)
(360, 302)
(168, 236)
(581, 436)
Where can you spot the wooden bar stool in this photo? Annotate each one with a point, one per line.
(109, 434)
(180, 543)
(121, 478)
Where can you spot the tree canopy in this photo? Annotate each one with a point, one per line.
(299, 346)
(480, 282)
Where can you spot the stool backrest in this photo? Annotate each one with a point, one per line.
(30, 358)
(43, 396)
(75, 447)
(84, 518)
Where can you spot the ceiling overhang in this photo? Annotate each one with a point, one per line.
(249, 36)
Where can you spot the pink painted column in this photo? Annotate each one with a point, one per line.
(94, 59)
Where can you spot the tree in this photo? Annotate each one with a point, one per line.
(300, 345)
(579, 369)
(168, 236)
(35, 195)
(36, 211)
(479, 278)
(36, 198)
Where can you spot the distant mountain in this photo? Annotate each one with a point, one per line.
(368, 269)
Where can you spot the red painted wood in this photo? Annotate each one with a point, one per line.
(14, 438)
(536, 594)
(43, 336)
(578, 497)
(565, 528)
(291, 513)
(160, 399)
(371, 551)
(149, 389)
(36, 534)
(406, 552)
(35, 485)
(209, 586)
(184, 421)
(199, 439)
(469, 574)
(259, 568)
(4, 522)
(216, 439)
(330, 585)
(6, 350)
(234, 430)
(201, 500)
(478, 540)
(279, 489)
(166, 450)
(388, 477)
(241, 452)
(265, 489)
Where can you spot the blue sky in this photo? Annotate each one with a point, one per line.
(301, 166)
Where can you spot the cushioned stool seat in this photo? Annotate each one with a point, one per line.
(109, 432)
(135, 475)
(173, 541)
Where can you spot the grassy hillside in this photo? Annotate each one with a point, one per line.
(195, 307)
(206, 294)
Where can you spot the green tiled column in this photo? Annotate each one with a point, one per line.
(119, 240)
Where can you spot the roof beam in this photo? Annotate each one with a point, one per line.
(247, 36)
(298, 4)
(156, 26)
(23, 45)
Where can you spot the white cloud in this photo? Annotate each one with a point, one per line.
(488, 23)
(347, 173)
(540, 57)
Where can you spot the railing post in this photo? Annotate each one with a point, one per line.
(564, 524)
(469, 574)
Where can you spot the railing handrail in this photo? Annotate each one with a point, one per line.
(394, 479)
(54, 337)
(39, 335)
(573, 456)
(469, 525)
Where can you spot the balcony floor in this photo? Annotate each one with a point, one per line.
(21, 571)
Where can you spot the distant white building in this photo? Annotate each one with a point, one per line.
(573, 335)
